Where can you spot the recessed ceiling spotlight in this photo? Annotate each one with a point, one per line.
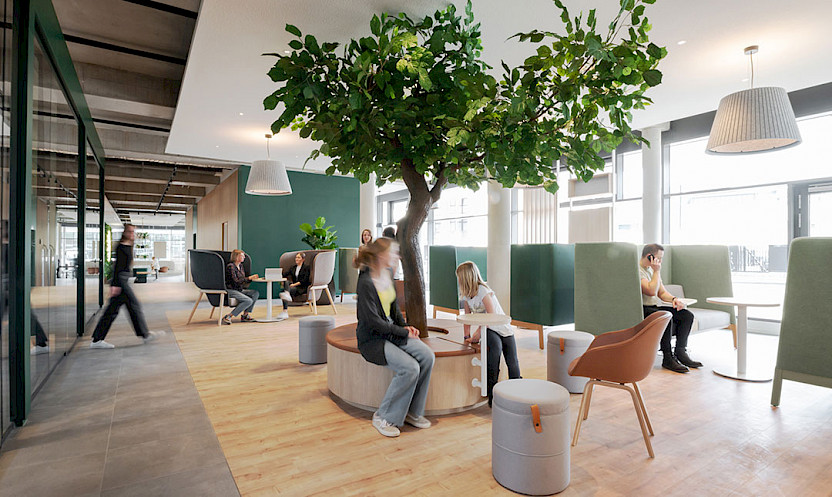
(216, 146)
(287, 51)
(681, 42)
(744, 80)
(241, 113)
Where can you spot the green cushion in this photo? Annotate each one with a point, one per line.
(443, 262)
(543, 283)
(805, 333)
(607, 289)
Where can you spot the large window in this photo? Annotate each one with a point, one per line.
(743, 201)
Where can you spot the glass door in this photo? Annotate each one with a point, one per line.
(812, 203)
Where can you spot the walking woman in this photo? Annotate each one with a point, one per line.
(122, 293)
(385, 339)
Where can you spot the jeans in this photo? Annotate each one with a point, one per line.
(412, 364)
(245, 300)
(679, 325)
(497, 345)
(128, 298)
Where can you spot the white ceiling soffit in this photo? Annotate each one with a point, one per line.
(220, 112)
(158, 220)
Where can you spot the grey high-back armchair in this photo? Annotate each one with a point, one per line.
(208, 274)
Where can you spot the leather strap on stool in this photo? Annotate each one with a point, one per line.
(536, 419)
(562, 345)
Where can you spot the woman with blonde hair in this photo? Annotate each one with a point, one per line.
(236, 281)
(385, 339)
(478, 298)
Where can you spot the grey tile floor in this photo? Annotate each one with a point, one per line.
(120, 422)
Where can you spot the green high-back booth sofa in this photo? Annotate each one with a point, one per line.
(542, 285)
(804, 353)
(444, 292)
(608, 289)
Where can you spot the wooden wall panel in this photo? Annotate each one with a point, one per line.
(216, 208)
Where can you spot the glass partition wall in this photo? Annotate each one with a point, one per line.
(49, 193)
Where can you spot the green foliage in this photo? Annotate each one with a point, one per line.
(319, 237)
(414, 97)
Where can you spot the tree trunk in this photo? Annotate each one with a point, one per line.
(421, 200)
(409, 228)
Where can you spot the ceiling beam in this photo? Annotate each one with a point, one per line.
(143, 174)
(126, 187)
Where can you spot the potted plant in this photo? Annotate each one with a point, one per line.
(319, 237)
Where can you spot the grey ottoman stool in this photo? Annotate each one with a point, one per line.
(530, 436)
(563, 347)
(312, 332)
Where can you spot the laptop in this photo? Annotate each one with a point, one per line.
(273, 273)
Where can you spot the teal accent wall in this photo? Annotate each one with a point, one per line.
(268, 226)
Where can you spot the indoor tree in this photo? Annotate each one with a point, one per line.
(414, 101)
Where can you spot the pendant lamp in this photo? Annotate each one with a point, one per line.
(753, 120)
(268, 177)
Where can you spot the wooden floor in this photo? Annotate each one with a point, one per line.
(283, 434)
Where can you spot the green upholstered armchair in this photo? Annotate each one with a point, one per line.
(607, 290)
(542, 286)
(444, 293)
(805, 350)
(347, 274)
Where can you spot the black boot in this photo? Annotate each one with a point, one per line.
(683, 357)
(492, 378)
(670, 362)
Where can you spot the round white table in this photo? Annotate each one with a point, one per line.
(268, 282)
(741, 371)
(485, 320)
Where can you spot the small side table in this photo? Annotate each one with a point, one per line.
(485, 320)
(741, 372)
(268, 282)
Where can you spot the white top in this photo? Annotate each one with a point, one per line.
(297, 271)
(646, 273)
(742, 301)
(478, 307)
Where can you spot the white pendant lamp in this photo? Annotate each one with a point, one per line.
(268, 177)
(753, 120)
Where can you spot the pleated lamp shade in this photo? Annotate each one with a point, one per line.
(754, 120)
(268, 177)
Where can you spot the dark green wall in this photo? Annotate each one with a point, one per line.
(268, 226)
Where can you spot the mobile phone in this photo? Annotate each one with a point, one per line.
(650, 257)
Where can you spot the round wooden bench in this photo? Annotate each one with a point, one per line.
(363, 384)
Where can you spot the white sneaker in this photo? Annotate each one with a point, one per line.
(417, 421)
(101, 344)
(385, 428)
(283, 315)
(38, 350)
(284, 296)
(153, 335)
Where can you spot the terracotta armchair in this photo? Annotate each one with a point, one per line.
(619, 357)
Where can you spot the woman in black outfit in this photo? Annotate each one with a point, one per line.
(122, 293)
(299, 278)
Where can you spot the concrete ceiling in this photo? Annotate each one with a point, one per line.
(220, 113)
(130, 57)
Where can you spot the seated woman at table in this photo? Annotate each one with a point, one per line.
(385, 339)
(478, 298)
(236, 282)
(298, 278)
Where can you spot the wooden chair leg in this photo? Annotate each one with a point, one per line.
(331, 302)
(584, 403)
(733, 329)
(776, 387)
(196, 304)
(643, 409)
(314, 303)
(588, 400)
(211, 316)
(219, 318)
(641, 422)
(540, 335)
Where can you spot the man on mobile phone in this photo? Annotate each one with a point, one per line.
(653, 293)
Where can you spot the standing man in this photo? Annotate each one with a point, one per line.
(121, 292)
(653, 293)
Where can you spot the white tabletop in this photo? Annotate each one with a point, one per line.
(483, 319)
(264, 280)
(749, 302)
